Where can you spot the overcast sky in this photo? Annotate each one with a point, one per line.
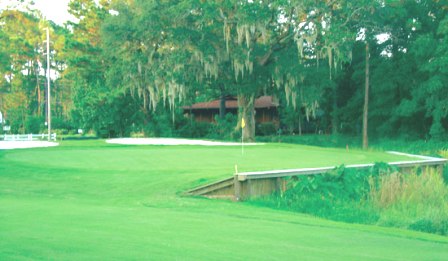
(55, 10)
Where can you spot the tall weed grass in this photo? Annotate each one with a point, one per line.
(444, 153)
(381, 196)
(415, 201)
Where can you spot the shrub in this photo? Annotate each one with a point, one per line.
(431, 226)
(193, 129)
(339, 195)
(315, 140)
(61, 123)
(103, 133)
(160, 125)
(223, 129)
(137, 134)
(265, 129)
(34, 124)
(60, 132)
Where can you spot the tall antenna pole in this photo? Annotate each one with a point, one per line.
(48, 85)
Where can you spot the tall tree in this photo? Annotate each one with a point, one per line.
(431, 92)
(22, 73)
(86, 62)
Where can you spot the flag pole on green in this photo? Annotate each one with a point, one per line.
(243, 124)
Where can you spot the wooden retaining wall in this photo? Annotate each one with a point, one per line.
(220, 189)
(259, 183)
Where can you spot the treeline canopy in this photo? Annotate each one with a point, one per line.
(126, 65)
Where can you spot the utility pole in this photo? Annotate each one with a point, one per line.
(48, 84)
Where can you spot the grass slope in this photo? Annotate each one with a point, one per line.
(89, 200)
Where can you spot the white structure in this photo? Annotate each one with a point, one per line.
(28, 137)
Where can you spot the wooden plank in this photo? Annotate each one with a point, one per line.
(425, 161)
(237, 186)
(211, 187)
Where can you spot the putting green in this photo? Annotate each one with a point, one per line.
(91, 200)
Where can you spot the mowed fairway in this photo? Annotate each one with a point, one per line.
(94, 201)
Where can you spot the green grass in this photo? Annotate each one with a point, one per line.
(89, 200)
(416, 146)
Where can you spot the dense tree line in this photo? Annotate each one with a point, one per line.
(358, 67)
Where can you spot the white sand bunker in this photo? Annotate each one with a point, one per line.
(9, 145)
(173, 141)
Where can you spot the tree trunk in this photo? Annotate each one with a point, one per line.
(39, 98)
(334, 115)
(247, 112)
(222, 104)
(300, 110)
(365, 137)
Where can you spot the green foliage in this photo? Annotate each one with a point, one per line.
(17, 120)
(62, 124)
(62, 127)
(330, 195)
(340, 141)
(224, 128)
(431, 226)
(179, 51)
(221, 129)
(194, 129)
(22, 81)
(404, 144)
(113, 115)
(266, 129)
(380, 195)
(34, 124)
(160, 125)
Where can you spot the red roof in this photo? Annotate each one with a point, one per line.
(262, 102)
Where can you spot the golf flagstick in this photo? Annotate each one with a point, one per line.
(243, 124)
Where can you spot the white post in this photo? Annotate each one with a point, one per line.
(48, 85)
